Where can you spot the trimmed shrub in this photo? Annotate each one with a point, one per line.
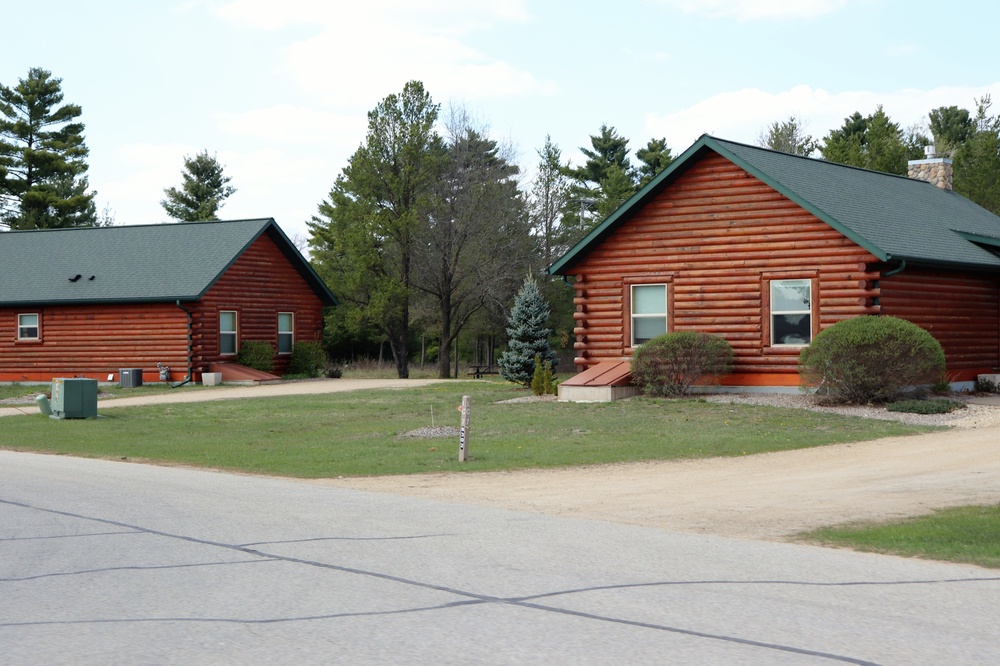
(256, 354)
(871, 359)
(669, 365)
(938, 406)
(308, 358)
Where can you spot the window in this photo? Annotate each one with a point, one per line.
(791, 312)
(227, 332)
(286, 332)
(649, 311)
(27, 327)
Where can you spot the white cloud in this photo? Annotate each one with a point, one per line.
(741, 115)
(751, 10)
(286, 123)
(354, 55)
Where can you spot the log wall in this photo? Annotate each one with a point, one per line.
(98, 340)
(93, 341)
(259, 285)
(715, 235)
(960, 310)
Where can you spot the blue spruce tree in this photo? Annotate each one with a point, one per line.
(529, 335)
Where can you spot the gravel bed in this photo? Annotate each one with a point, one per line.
(973, 416)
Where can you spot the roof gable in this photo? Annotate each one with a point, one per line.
(164, 262)
(893, 217)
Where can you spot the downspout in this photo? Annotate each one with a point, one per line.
(190, 345)
(896, 271)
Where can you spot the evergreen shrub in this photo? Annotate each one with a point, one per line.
(671, 364)
(528, 336)
(871, 359)
(256, 354)
(308, 358)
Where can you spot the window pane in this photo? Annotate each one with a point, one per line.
(791, 329)
(284, 322)
(27, 327)
(227, 321)
(227, 343)
(649, 299)
(647, 328)
(791, 295)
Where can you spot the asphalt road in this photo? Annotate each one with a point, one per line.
(118, 563)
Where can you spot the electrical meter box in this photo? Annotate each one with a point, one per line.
(74, 398)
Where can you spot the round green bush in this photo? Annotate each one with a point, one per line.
(871, 359)
(308, 358)
(256, 354)
(669, 365)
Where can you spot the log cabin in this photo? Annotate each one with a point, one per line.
(766, 249)
(87, 302)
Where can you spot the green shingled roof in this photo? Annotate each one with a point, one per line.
(893, 217)
(164, 262)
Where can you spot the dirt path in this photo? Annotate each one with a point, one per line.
(766, 496)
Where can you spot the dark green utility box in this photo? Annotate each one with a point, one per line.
(74, 398)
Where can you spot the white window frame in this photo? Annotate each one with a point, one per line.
(775, 312)
(665, 315)
(23, 327)
(234, 333)
(290, 333)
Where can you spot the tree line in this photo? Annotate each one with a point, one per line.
(43, 165)
(430, 228)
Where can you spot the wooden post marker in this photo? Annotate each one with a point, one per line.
(463, 437)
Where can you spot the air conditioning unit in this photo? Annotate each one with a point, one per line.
(130, 377)
(74, 398)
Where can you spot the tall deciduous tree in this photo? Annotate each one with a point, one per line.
(476, 244)
(203, 190)
(43, 182)
(788, 136)
(365, 236)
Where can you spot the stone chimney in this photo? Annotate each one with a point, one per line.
(935, 170)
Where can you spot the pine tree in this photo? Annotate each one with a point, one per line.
(42, 157)
(526, 327)
(202, 193)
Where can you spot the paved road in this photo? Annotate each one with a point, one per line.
(106, 562)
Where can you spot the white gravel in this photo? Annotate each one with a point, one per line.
(973, 416)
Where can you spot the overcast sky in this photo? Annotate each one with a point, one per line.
(279, 89)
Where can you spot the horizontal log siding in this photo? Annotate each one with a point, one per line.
(259, 285)
(94, 341)
(716, 231)
(961, 311)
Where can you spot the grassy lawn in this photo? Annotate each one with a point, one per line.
(19, 390)
(969, 534)
(362, 432)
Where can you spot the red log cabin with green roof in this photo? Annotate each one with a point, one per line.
(87, 302)
(767, 249)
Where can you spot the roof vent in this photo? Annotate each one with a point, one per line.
(929, 151)
(75, 277)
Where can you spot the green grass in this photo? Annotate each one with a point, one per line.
(361, 432)
(969, 534)
(18, 390)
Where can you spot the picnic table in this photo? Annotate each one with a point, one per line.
(478, 371)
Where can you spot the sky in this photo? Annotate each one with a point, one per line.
(279, 91)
